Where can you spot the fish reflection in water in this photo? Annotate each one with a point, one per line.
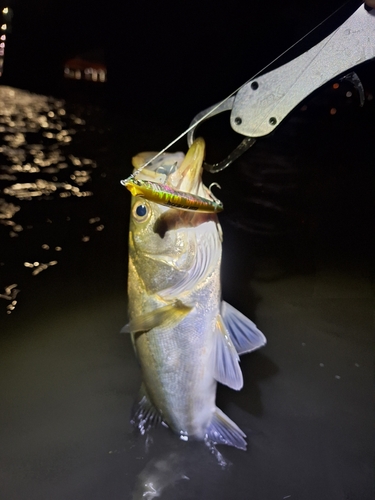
(158, 474)
(168, 469)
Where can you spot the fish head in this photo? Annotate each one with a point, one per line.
(164, 243)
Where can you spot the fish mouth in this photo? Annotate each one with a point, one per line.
(188, 176)
(157, 170)
(174, 219)
(176, 169)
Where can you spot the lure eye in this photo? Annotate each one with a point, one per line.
(141, 211)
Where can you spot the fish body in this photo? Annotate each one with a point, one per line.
(186, 338)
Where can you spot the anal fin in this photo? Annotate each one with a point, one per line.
(222, 430)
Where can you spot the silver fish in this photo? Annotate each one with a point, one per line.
(185, 336)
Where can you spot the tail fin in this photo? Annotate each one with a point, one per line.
(222, 430)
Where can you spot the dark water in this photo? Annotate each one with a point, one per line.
(298, 253)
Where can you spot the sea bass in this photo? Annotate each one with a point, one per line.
(185, 336)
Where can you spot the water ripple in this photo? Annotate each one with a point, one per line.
(39, 162)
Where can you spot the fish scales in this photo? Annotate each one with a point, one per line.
(185, 337)
(176, 360)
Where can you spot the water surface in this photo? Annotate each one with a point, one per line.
(297, 259)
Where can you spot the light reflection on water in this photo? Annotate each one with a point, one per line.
(38, 162)
(10, 294)
(35, 131)
(41, 187)
(38, 267)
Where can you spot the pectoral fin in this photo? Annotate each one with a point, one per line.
(167, 315)
(222, 430)
(225, 358)
(244, 334)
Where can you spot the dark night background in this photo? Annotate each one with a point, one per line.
(164, 55)
(297, 255)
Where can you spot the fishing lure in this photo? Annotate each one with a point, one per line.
(166, 195)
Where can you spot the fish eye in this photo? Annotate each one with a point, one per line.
(141, 211)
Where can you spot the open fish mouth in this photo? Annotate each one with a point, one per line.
(160, 168)
(175, 169)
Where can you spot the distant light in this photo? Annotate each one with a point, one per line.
(2, 45)
(348, 94)
(5, 10)
(332, 111)
(3, 27)
(336, 86)
(3, 37)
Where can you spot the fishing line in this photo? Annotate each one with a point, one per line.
(212, 110)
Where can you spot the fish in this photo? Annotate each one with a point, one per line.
(185, 336)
